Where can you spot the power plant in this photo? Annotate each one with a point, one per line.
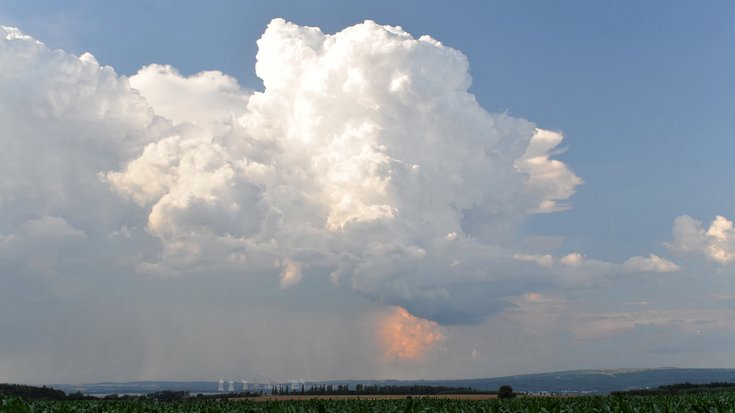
(294, 386)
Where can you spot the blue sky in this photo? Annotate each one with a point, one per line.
(642, 92)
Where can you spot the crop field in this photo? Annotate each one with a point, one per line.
(714, 402)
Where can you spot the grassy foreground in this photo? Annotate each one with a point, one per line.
(714, 402)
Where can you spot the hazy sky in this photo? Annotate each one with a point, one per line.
(327, 190)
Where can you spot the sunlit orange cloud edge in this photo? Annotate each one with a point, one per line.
(406, 337)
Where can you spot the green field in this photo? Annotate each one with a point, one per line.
(712, 402)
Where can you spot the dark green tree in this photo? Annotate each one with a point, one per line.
(505, 392)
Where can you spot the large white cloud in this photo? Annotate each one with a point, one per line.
(365, 153)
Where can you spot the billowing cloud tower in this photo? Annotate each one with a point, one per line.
(365, 154)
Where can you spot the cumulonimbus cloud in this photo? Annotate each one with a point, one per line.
(366, 149)
(365, 156)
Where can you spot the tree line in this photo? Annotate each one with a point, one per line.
(682, 388)
(48, 393)
(35, 392)
(372, 389)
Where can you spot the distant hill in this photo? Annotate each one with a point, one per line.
(576, 381)
(600, 381)
(139, 387)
